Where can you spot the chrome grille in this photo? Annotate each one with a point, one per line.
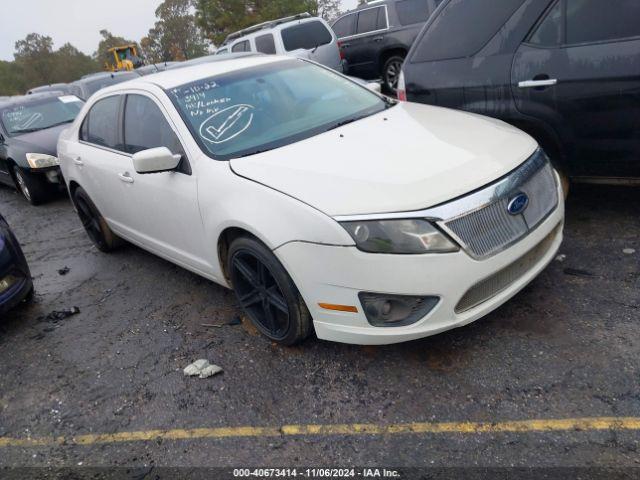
(489, 229)
(496, 283)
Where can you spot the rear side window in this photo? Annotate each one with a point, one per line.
(222, 51)
(371, 19)
(306, 35)
(595, 20)
(241, 47)
(462, 28)
(266, 44)
(100, 126)
(344, 26)
(146, 127)
(414, 11)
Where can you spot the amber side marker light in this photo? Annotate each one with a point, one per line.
(338, 308)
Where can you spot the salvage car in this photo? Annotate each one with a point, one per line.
(29, 130)
(301, 36)
(374, 38)
(564, 71)
(276, 177)
(15, 278)
(61, 88)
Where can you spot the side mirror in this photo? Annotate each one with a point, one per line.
(374, 87)
(155, 160)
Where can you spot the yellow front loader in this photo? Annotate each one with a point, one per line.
(125, 58)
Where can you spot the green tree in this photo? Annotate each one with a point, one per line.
(219, 18)
(35, 59)
(175, 36)
(11, 79)
(71, 64)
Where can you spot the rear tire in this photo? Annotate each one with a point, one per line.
(391, 73)
(266, 292)
(94, 223)
(33, 188)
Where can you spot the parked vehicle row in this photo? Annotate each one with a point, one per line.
(374, 39)
(280, 171)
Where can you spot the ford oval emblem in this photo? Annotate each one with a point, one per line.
(518, 204)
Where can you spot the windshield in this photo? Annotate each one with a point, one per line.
(269, 106)
(34, 116)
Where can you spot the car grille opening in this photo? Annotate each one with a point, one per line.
(499, 281)
(490, 229)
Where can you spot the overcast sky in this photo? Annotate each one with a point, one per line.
(79, 21)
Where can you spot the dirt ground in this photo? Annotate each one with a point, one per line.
(566, 347)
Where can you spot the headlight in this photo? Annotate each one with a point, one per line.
(398, 236)
(41, 160)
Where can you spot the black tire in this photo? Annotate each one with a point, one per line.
(94, 223)
(34, 188)
(266, 292)
(391, 73)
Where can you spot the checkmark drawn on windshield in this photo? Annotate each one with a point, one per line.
(227, 124)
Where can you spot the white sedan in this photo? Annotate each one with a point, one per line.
(325, 206)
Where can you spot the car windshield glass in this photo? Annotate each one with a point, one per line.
(46, 113)
(269, 106)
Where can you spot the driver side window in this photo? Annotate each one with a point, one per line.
(146, 127)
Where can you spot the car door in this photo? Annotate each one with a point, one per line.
(5, 176)
(99, 157)
(579, 71)
(371, 29)
(163, 211)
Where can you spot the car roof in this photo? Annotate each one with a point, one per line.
(171, 78)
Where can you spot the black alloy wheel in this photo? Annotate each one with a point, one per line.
(392, 69)
(266, 292)
(93, 222)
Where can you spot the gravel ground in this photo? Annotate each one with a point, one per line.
(567, 346)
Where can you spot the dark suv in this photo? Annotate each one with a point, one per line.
(375, 38)
(565, 71)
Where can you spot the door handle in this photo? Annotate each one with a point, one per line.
(547, 82)
(378, 39)
(125, 177)
(345, 45)
(78, 161)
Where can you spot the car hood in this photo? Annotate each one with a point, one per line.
(408, 157)
(42, 141)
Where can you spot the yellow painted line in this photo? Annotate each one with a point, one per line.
(467, 428)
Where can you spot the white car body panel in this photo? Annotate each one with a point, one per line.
(406, 158)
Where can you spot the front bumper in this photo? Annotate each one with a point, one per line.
(335, 275)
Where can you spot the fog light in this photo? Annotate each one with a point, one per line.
(384, 310)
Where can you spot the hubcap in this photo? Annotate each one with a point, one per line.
(89, 221)
(393, 74)
(23, 185)
(260, 295)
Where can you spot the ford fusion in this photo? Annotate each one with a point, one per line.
(29, 130)
(324, 206)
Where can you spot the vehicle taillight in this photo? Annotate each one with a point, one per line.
(340, 50)
(402, 90)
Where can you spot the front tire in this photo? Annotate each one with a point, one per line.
(391, 73)
(33, 187)
(94, 223)
(266, 292)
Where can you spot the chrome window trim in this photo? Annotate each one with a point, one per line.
(462, 206)
(357, 35)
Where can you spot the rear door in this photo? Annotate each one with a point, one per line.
(363, 47)
(98, 159)
(579, 71)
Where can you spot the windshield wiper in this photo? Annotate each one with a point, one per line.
(346, 122)
(255, 152)
(26, 130)
(59, 123)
